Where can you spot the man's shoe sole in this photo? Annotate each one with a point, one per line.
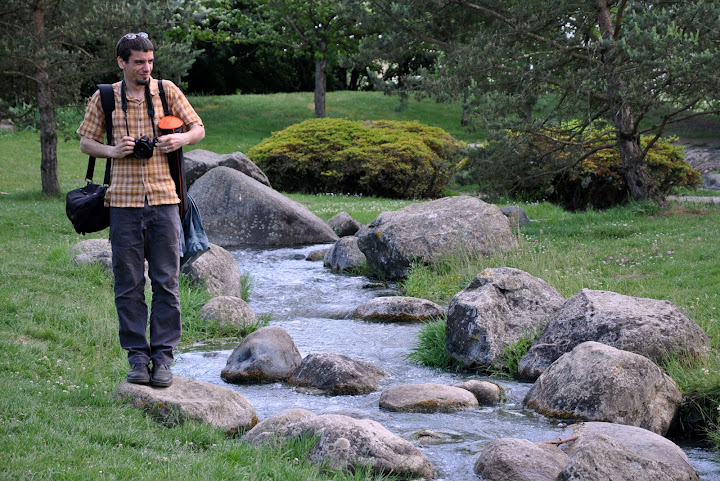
(143, 382)
(155, 383)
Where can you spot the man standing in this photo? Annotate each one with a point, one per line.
(144, 213)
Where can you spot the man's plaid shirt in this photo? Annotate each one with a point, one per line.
(133, 179)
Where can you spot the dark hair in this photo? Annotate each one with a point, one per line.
(126, 45)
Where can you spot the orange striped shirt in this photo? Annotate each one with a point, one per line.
(133, 179)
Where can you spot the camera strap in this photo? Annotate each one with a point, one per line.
(148, 104)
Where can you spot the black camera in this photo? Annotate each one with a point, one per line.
(144, 147)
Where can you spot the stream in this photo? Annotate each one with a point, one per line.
(315, 305)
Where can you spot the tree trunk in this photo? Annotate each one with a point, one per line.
(48, 133)
(464, 120)
(637, 176)
(320, 80)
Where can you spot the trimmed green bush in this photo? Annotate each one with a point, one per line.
(391, 159)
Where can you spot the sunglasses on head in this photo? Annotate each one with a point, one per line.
(132, 36)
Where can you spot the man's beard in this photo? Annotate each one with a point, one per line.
(143, 81)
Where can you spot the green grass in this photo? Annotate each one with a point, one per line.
(59, 356)
(237, 123)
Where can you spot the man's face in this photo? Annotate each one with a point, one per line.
(138, 67)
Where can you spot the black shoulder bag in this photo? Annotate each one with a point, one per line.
(85, 207)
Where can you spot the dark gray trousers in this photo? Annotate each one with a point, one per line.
(137, 234)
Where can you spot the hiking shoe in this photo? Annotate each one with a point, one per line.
(139, 374)
(161, 376)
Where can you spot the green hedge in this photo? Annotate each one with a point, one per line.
(391, 159)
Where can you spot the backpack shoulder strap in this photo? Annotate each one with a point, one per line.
(163, 99)
(107, 100)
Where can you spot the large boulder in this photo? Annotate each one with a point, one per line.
(587, 451)
(498, 308)
(623, 452)
(266, 355)
(398, 309)
(426, 232)
(189, 400)
(344, 225)
(239, 211)
(336, 374)
(596, 382)
(345, 255)
(217, 270)
(656, 329)
(427, 398)
(510, 459)
(198, 162)
(344, 443)
(228, 311)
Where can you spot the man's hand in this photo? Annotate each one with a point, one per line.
(124, 148)
(102, 151)
(170, 142)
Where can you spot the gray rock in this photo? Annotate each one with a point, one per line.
(498, 308)
(239, 211)
(93, 251)
(189, 400)
(345, 442)
(427, 398)
(228, 311)
(198, 162)
(217, 270)
(651, 448)
(487, 393)
(91, 246)
(426, 232)
(104, 258)
(264, 431)
(606, 458)
(317, 255)
(509, 459)
(98, 251)
(652, 328)
(516, 214)
(266, 355)
(7, 125)
(337, 374)
(345, 255)
(587, 451)
(596, 382)
(399, 309)
(344, 225)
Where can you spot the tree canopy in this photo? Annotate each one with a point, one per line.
(53, 50)
(638, 65)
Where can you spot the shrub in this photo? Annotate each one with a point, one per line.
(534, 168)
(398, 160)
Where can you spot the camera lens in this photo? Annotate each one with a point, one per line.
(143, 147)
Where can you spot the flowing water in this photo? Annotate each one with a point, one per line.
(315, 307)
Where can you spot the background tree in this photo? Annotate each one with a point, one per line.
(52, 52)
(640, 65)
(324, 30)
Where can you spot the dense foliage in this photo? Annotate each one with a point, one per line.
(398, 160)
(640, 65)
(533, 170)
